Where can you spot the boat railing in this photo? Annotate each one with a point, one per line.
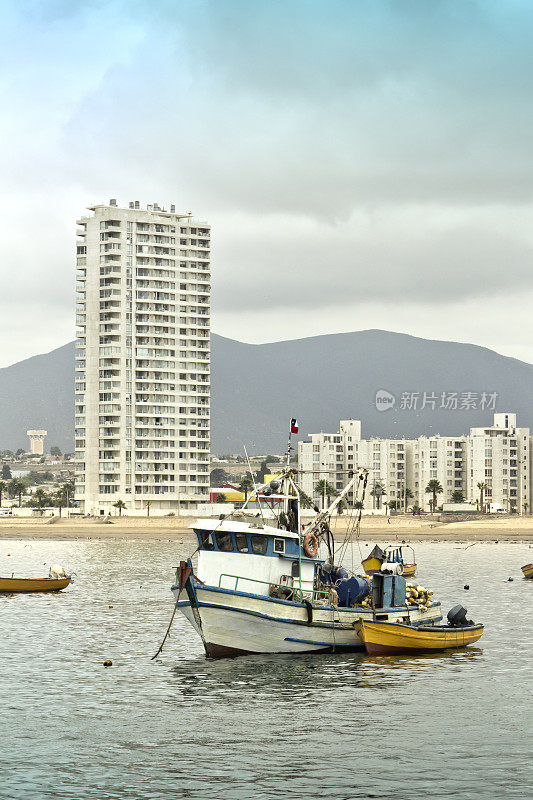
(298, 595)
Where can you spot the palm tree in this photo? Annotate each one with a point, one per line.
(3, 488)
(406, 495)
(245, 486)
(60, 501)
(63, 496)
(358, 505)
(482, 486)
(41, 498)
(458, 496)
(120, 504)
(305, 500)
(378, 490)
(326, 490)
(17, 489)
(434, 487)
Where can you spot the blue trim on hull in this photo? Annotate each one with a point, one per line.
(271, 618)
(341, 610)
(326, 645)
(314, 624)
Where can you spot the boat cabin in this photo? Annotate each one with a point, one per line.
(252, 557)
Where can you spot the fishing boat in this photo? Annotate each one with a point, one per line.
(527, 569)
(49, 584)
(272, 585)
(396, 558)
(382, 637)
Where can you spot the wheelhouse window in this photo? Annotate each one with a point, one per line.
(242, 542)
(224, 542)
(279, 545)
(259, 544)
(205, 540)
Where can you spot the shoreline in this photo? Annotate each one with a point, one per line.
(373, 529)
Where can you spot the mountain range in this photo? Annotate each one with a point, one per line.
(256, 389)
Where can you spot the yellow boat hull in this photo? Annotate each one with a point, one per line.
(527, 569)
(33, 584)
(390, 638)
(371, 565)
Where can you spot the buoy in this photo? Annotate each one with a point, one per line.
(108, 663)
(466, 586)
(110, 606)
(510, 579)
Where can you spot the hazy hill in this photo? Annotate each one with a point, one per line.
(257, 388)
(38, 393)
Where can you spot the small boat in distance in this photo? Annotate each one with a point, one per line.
(390, 558)
(382, 638)
(527, 569)
(372, 563)
(56, 580)
(11, 585)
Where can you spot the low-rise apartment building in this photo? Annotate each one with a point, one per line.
(492, 462)
(500, 460)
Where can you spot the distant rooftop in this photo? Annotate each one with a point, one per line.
(134, 205)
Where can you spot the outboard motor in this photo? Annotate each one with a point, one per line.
(457, 617)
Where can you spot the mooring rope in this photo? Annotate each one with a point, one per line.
(169, 626)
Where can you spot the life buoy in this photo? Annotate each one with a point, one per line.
(310, 545)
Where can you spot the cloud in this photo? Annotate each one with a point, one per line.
(347, 154)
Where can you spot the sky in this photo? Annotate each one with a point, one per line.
(363, 163)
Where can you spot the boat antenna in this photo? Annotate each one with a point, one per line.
(254, 483)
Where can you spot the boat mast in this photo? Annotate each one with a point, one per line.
(322, 515)
(286, 483)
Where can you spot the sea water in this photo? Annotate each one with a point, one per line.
(451, 725)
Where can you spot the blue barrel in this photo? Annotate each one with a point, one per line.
(352, 590)
(349, 590)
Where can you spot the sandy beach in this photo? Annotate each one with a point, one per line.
(408, 528)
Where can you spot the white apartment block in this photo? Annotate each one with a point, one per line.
(439, 458)
(142, 393)
(332, 457)
(498, 456)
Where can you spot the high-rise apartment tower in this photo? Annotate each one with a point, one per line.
(142, 360)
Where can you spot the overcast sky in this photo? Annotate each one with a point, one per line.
(363, 163)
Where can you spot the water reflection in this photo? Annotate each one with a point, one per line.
(265, 676)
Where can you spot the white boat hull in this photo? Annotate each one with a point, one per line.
(236, 623)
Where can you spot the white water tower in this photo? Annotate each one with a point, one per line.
(37, 442)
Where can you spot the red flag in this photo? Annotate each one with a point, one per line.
(294, 426)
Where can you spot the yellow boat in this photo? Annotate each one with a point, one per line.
(372, 563)
(392, 554)
(9, 585)
(391, 638)
(527, 569)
